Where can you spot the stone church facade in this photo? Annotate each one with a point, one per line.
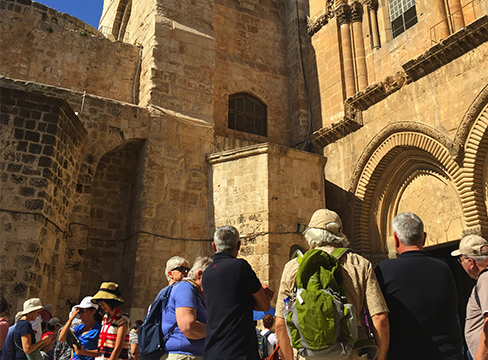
(125, 145)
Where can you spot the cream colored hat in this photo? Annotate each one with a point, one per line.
(32, 305)
(472, 245)
(327, 220)
(108, 291)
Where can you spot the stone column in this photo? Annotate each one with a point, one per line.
(457, 18)
(343, 13)
(359, 52)
(372, 6)
(441, 29)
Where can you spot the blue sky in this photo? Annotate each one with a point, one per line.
(87, 10)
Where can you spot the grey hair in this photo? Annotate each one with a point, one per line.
(409, 228)
(478, 258)
(200, 264)
(174, 262)
(321, 237)
(226, 238)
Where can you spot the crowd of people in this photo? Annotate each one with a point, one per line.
(411, 303)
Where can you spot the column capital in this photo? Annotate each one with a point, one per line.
(371, 4)
(343, 14)
(356, 11)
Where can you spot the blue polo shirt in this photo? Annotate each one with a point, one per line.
(89, 340)
(183, 295)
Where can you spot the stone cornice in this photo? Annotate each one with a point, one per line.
(448, 49)
(352, 121)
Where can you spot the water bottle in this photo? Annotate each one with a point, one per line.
(287, 303)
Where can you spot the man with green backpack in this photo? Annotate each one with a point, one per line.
(330, 305)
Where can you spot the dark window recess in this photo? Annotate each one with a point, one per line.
(404, 21)
(248, 114)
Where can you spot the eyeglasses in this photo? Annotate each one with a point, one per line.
(181, 268)
(82, 311)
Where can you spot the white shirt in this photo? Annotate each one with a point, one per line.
(272, 340)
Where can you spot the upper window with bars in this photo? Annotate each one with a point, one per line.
(247, 113)
(402, 15)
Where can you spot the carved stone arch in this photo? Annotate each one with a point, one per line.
(473, 135)
(374, 168)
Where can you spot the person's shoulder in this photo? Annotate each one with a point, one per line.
(356, 259)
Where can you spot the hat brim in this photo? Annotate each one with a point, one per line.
(27, 311)
(104, 295)
(456, 253)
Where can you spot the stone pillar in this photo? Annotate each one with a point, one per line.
(343, 13)
(457, 18)
(359, 52)
(372, 6)
(441, 29)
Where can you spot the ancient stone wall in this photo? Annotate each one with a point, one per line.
(250, 57)
(38, 44)
(42, 141)
(403, 147)
(265, 191)
(357, 49)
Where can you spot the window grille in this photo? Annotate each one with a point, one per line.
(402, 15)
(248, 114)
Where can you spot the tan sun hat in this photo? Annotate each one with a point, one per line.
(472, 245)
(327, 220)
(32, 305)
(108, 291)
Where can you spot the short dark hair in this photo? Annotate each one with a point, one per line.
(112, 303)
(4, 305)
(268, 321)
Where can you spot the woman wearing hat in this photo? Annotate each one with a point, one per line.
(24, 337)
(113, 343)
(87, 332)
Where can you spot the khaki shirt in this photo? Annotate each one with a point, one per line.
(362, 288)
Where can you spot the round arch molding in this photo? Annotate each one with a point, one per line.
(472, 134)
(387, 163)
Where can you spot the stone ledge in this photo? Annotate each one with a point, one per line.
(447, 50)
(348, 124)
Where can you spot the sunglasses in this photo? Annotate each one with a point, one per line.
(82, 311)
(181, 268)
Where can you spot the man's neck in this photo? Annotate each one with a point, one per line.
(405, 248)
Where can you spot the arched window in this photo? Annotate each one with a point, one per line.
(247, 113)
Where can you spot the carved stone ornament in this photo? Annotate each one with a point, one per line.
(343, 13)
(356, 11)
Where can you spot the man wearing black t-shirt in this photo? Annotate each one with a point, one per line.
(232, 291)
(421, 295)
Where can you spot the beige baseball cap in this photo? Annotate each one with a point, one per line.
(472, 245)
(327, 220)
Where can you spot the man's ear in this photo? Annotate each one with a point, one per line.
(214, 247)
(397, 240)
(425, 238)
(239, 245)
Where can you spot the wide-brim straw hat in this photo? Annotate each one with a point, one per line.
(108, 291)
(32, 305)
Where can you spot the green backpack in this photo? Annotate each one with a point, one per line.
(320, 322)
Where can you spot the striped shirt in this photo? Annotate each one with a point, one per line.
(106, 344)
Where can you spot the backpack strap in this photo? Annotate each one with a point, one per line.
(476, 296)
(267, 334)
(338, 252)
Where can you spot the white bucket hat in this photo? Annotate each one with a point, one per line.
(32, 305)
(86, 303)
